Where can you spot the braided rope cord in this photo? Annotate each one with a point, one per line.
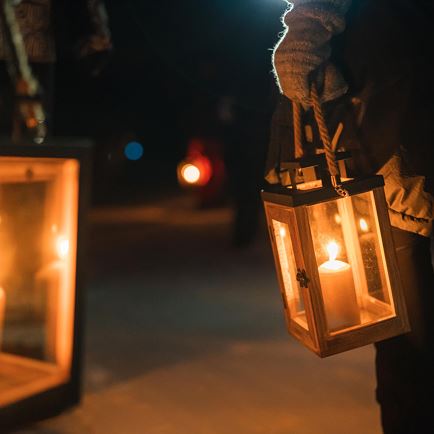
(296, 115)
(324, 133)
(328, 147)
(325, 138)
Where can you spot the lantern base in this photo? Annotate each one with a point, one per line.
(21, 377)
(362, 336)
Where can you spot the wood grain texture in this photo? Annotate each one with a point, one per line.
(286, 215)
(21, 378)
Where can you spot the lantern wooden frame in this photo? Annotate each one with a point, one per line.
(49, 400)
(289, 205)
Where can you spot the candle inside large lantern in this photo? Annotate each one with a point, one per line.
(337, 285)
(335, 258)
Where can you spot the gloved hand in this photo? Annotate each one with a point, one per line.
(302, 55)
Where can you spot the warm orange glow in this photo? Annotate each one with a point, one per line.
(309, 185)
(195, 171)
(190, 173)
(62, 247)
(53, 271)
(66, 301)
(282, 232)
(32, 123)
(338, 219)
(332, 264)
(338, 291)
(2, 312)
(2, 309)
(363, 225)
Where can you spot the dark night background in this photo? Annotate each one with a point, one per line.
(184, 332)
(173, 63)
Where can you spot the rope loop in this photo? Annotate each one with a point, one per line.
(325, 138)
(296, 115)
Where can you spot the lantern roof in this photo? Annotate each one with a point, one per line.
(287, 195)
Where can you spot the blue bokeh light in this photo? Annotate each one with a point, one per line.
(133, 151)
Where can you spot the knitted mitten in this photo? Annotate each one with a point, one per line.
(302, 54)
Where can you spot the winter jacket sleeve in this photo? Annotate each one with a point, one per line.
(302, 54)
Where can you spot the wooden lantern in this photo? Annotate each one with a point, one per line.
(43, 190)
(335, 258)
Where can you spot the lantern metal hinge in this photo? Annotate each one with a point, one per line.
(302, 278)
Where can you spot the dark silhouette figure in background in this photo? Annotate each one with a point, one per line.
(238, 131)
(245, 155)
(376, 77)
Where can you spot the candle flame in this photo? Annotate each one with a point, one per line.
(282, 232)
(363, 225)
(332, 250)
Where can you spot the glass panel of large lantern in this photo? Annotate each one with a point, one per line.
(293, 300)
(351, 263)
(38, 226)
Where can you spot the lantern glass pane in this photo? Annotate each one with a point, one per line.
(38, 226)
(351, 264)
(293, 299)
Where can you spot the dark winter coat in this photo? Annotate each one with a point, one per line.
(386, 57)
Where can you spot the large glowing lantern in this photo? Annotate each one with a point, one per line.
(335, 258)
(43, 191)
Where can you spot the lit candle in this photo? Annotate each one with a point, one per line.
(338, 291)
(2, 311)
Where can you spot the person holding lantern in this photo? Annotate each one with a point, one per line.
(372, 64)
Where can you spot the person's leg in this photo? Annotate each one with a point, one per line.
(405, 364)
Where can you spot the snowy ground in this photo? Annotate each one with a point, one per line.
(185, 335)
